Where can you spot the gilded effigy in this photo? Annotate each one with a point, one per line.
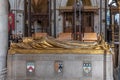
(46, 58)
(50, 45)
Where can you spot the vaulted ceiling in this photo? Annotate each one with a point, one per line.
(85, 2)
(39, 6)
(70, 2)
(118, 0)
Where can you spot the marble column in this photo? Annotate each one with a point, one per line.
(3, 37)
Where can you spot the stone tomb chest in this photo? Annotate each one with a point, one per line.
(50, 59)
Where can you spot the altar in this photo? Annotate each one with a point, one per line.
(50, 59)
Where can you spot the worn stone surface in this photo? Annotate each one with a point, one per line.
(72, 66)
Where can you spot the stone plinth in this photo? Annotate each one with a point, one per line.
(73, 67)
